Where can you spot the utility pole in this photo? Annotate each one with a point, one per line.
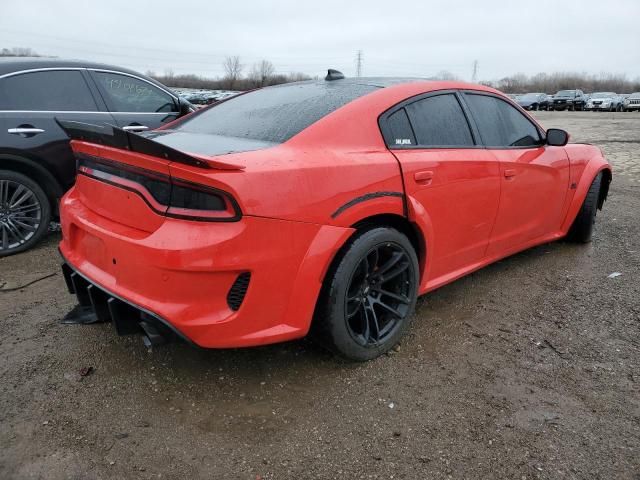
(474, 77)
(359, 61)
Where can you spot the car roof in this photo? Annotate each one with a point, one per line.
(391, 83)
(381, 82)
(17, 64)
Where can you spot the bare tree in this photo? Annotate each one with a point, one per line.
(444, 75)
(261, 74)
(18, 52)
(297, 77)
(266, 71)
(552, 82)
(233, 70)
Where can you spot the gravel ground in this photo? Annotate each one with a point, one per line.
(529, 368)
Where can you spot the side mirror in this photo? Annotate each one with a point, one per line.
(557, 137)
(185, 107)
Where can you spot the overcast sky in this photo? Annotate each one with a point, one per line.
(397, 37)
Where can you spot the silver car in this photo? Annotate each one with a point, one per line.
(632, 102)
(608, 101)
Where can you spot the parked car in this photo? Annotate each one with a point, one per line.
(288, 216)
(609, 101)
(36, 163)
(632, 102)
(568, 100)
(533, 101)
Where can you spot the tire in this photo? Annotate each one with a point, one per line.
(534, 107)
(351, 319)
(27, 221)
(581, 230)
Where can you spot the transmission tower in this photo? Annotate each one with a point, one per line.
(474, 76)
(359, 61)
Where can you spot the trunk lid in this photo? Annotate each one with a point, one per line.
(205, 144)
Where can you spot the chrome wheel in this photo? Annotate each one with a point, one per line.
(20, 214)
(379, 295)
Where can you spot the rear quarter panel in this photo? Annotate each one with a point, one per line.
(329, 164)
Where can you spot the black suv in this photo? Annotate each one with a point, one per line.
(36, 162)
(568, 100)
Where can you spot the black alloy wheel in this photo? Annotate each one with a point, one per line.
(379, 294)
(369, 295)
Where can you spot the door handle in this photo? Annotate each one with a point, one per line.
(509, 173)
(424, 177)
(135, 128)
(25, 131)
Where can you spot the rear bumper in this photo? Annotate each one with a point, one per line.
(125, 316)
(181, 275)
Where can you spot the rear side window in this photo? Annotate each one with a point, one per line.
(129, 94)
(49, 90)
(439, 121)
(275, 114)
(500, 124)
(400, 132)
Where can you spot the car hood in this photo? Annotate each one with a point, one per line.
(204, 143)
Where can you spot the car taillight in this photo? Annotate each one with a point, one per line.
(198, 202)
(163, 194)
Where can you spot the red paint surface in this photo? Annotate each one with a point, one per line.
(470, 206)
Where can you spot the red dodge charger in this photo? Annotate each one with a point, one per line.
(322, 206)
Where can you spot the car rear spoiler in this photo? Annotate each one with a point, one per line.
(116, 137)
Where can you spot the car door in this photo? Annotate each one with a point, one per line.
(29, 104)
(456, 181)
(534, 176)
(135, 103)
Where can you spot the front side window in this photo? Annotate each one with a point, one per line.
(48, 90)
(500, 124)
(129, 94)
(439, 121)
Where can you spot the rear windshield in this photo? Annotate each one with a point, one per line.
(274, 114)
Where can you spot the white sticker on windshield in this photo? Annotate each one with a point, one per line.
(403, 141)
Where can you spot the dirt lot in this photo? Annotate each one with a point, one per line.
(529, 368)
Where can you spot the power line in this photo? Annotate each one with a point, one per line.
(359, 60)
(474, 76)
